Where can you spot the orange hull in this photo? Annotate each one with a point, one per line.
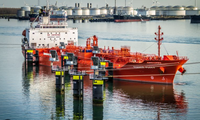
(149, 71)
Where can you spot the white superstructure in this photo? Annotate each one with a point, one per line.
(49, 34)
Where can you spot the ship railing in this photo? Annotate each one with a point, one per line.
(183, 58)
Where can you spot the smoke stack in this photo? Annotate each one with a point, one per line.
(106, 5)
(79, 4)
(90, 5)
(76, 5)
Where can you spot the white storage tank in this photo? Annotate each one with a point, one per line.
(154, 8)
(169, 8)
(161, 8)
(94, 11)
(20, 13)
(151, 12)
(69, 10)
(127, 10)
(178, 8)
(176, 11)
(110, 10)
(85, 11)
(26, 8)
(191, 10)
(103, 11)
(159, 12)
(77, 11)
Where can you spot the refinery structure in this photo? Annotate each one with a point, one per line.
(89, 10)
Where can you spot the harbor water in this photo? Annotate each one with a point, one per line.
(29, 92)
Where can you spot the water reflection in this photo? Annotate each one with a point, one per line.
(97, 112)
(78, 109)
(162, 99)
(60, 105)
(122, 99)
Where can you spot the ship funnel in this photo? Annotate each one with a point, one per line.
(79, 5)
(76, 5)
(88, 5)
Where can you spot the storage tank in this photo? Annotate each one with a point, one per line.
(176, 11)
(110, 10)
(85, 11)
(69, 10)
(127, 10)
(168, 7)
(154, 8)
(26, 8)
(27, 13)
(178, 7)
(191, 10)
(20, 13)
(94, 11)
(103, 11)
(151, 12)
(161, 8)
(77, 11)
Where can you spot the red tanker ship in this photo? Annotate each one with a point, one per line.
(126, 65)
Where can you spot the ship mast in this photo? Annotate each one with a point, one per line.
(159, 39)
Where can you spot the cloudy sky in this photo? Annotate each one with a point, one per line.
(99, 3)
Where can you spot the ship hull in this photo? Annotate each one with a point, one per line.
(130, 20)
(149, 72)
(195, 19)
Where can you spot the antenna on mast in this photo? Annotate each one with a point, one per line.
(47, 5)
(115, 9)
(159, 39)
(195, 3)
